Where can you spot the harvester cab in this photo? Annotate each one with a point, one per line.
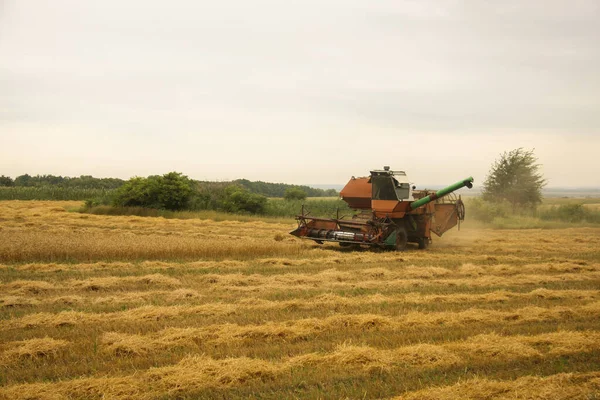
(390, 185)
(391, 213)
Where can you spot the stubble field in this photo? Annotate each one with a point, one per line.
(121, 307)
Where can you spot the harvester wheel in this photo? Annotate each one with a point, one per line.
(460, 210)
(423, 243)
(401, 239)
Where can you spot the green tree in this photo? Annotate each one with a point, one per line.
(23, 180)
(238, 199)
(174, 191)
(171, 191)
(515, 178)
(294, 193)
(6, 181)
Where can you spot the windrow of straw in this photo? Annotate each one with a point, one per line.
(396, 266)
(32, 348)
(411, 319)
(228, 334)
(197, 372)
(330, 279)
(567, 386)
(309, 303)
(27, 287)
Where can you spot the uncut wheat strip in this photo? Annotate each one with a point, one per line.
(57, 216)
(197, 372)
(69, 245)
(569, 386)
(303, 329)
(412, 319)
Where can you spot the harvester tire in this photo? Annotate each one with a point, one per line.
(349, 246)
(423, 243)
(460, 210)
(401, 239)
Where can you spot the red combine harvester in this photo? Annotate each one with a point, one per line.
(391, 214)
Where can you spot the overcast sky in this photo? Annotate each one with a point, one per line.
(299, 91)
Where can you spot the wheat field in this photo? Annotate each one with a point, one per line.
(120, 307)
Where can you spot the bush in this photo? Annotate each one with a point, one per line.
(571, 213)
(294, 194)
(238, 199)
(486, 211)
(171, 191)
(326, 208)
(6, 181)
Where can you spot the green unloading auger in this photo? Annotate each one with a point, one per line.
(442, 192)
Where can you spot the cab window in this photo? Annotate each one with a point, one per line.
(383, 188)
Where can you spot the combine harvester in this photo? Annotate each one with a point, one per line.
(391, 214)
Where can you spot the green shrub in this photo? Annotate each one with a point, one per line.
(294, 194)
(171, 191)
(571, 213)
(6, 181)
(238, 199)
(326, 208)
(487, 211)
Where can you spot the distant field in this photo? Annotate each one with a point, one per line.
(129, 307)
(556, 201)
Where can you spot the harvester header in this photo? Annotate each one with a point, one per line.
(391, 213)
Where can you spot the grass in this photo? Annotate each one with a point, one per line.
(212, 215)
(553, 213)
(276, 210)
(123, 306)
(50, 193)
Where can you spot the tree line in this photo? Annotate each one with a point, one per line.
(266, 189)
(81, 182)
(174, 192)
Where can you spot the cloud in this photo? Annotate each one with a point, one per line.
(262, 89)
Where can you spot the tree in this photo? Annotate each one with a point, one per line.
(174, 191)
(515, 178)
(238, 199)
(294, 194)
(171, 191)
(23, 180)
(6, 181)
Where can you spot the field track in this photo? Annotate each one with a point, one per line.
(122, 307)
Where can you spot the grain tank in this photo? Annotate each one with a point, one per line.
(391, 213)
